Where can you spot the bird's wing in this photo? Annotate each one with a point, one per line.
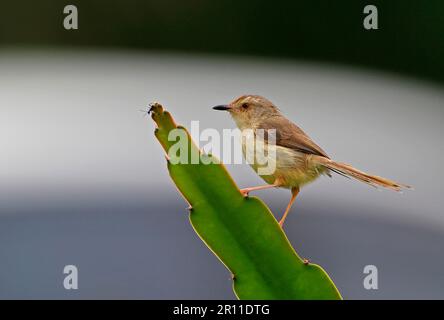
(291, 136)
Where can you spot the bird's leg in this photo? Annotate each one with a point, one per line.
(294, 193)
(246, 191)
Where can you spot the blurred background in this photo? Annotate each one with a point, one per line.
(84, 182)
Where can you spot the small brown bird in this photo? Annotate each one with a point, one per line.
(298, 159)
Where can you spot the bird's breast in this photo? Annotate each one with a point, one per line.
(288, 166)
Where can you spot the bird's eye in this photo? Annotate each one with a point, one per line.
(245, 105)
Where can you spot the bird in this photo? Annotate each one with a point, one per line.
(299, 160)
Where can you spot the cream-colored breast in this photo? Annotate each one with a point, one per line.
(290, 167)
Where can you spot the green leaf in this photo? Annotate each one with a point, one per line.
(241, 232)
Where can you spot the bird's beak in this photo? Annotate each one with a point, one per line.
(223, 107)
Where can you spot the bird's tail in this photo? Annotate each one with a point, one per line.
(349, 171)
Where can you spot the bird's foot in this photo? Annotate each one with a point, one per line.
(306, 261)
(245, 192)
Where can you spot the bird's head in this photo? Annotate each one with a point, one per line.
(249, 110)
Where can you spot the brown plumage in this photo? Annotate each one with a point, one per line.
(349, 171)
(291, 136)
(299, 160)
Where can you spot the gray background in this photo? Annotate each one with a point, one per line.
(84, 182)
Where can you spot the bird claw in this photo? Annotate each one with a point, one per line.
(245, 192)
